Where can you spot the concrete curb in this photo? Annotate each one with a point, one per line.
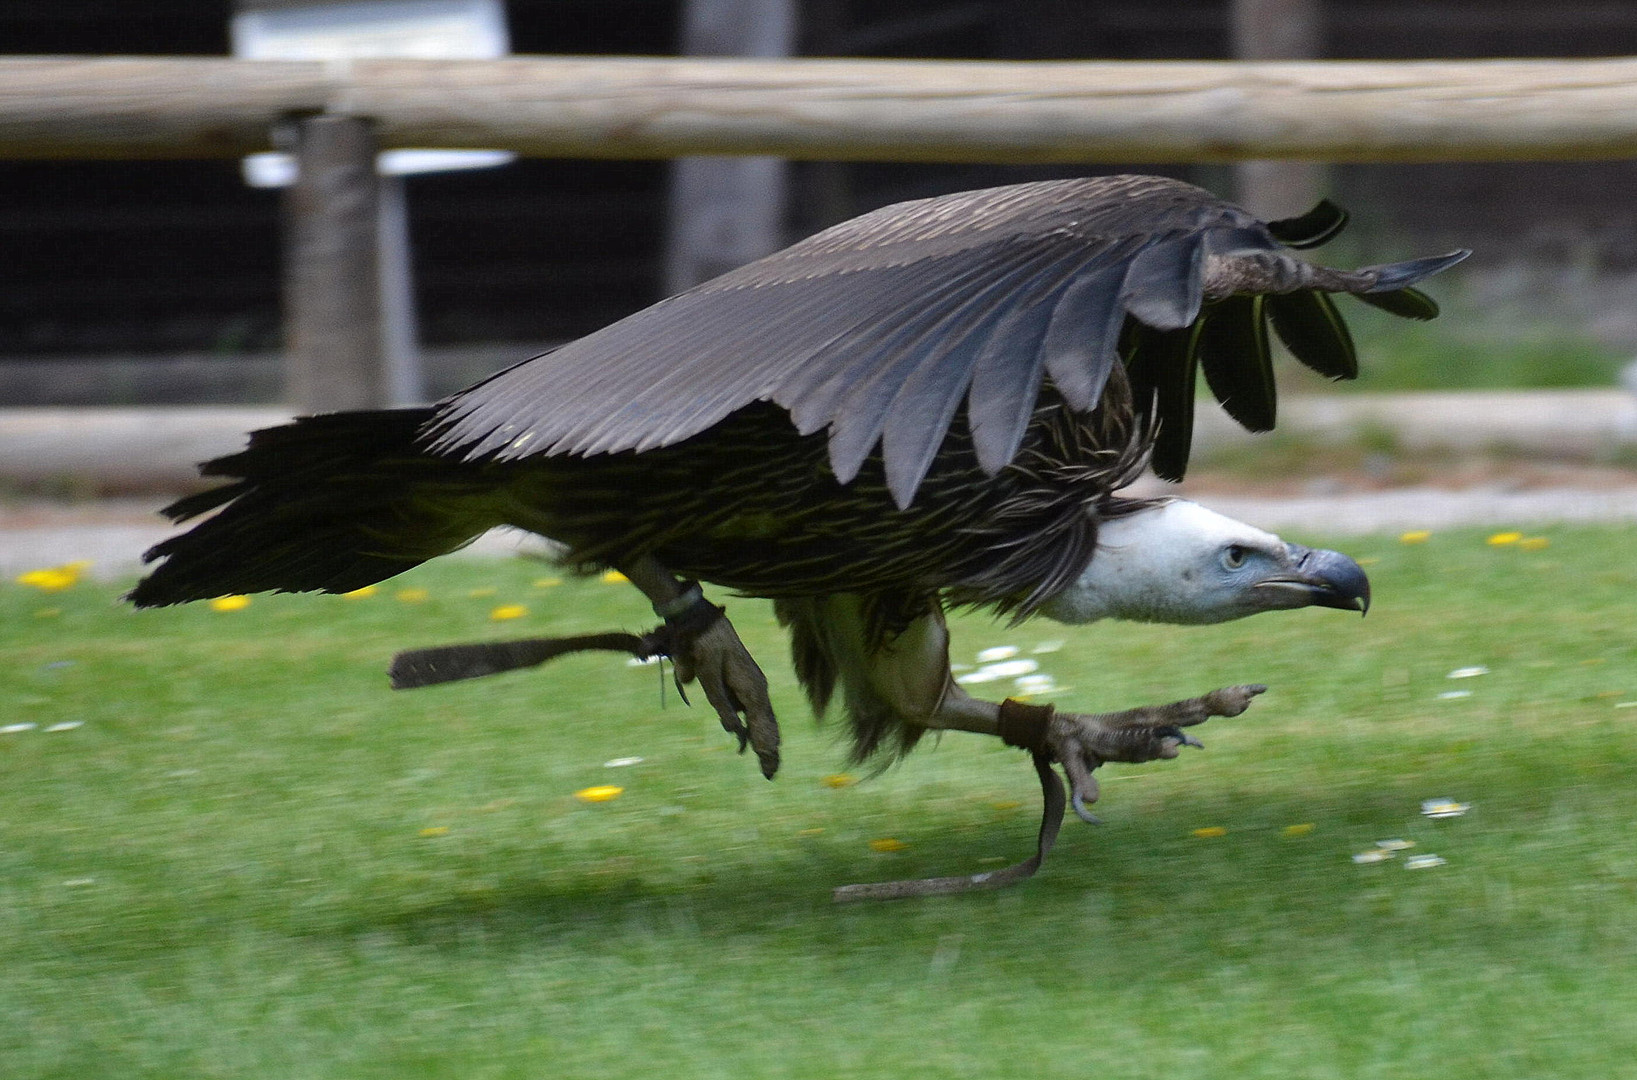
(121, 450)
(114, 548)
(125, 450)
(1403, 509)
(1589, 423)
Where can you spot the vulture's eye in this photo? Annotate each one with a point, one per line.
(1234, 557)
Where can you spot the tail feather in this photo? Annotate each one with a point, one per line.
(324, 504)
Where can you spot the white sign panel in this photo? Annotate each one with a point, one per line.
(372, 29)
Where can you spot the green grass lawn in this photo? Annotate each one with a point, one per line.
(1470, 348)
(252, 859)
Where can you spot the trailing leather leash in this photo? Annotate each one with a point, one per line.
(415, 668)
(1024, 726)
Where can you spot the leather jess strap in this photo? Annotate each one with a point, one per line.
(1022, 725)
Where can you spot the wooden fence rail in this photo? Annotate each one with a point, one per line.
(1498, 110)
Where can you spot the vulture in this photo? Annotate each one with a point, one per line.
(935, 405)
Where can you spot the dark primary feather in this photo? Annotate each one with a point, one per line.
(1318, 226)
(1405, 303)
(874, 331)
(1312, 329)
(1233, 352)
(1162, 365)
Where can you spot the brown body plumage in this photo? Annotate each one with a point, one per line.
(773, 521)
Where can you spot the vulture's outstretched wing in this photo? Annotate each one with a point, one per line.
(878, 328)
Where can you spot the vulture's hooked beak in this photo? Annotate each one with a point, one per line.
(1320, 578)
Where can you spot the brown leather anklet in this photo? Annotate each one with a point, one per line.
(1024, 725)
(690, 614)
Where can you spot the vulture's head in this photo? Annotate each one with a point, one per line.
(1178, 562)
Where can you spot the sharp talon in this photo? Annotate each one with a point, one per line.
(1081, 812)
(1257, 688)
(1189, 740)
(738, 731)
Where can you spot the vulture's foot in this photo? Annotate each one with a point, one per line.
(735, 687)
(706, 647)
(1082, 742)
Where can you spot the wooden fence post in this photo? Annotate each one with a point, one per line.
(332, 292)
(1278, 30)
(725, 212)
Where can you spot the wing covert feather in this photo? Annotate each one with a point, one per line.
(877, 329)
(913, 408)
(1082, 342)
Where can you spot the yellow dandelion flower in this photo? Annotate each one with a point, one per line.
(1501, 539)
(508, 611)
(435, 830)
(47, 580)
(412, 596)
(887, 844)
(235, 602)
(53, 578)
(1534, 543)
(839, 780)
(600, 793)
(612, 577)
(360, 594)
(1299, 830)
(1210, 832)
(547, 582)
(1415, 536)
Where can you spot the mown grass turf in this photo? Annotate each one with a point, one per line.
(1476, 350)
(253, 860)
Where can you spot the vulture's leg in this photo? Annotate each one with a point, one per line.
(1084, 741)
(906, 679)
(709, 649)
